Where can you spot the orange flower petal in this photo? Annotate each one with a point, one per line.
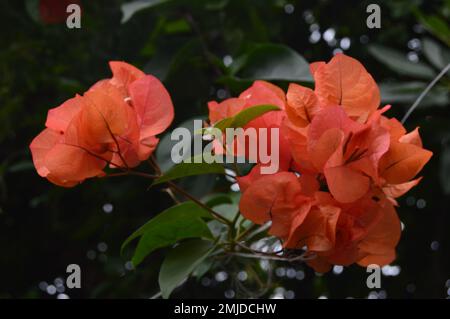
(382, 239)
(402, 162)
(331, 117)
(153, 106)
(412, 138)
(319, 264)
(68, 164)
(274, 197)
(317, 231)
(102, 117)
(346, 184)
(302, 104)
(327, 145)
(59, 118)
(381, 260)
(227, 108)
(262, 92)
(398, 190)
(40, 146)
(124, 74)
(395, 128)
(344, 81)
(313, 67)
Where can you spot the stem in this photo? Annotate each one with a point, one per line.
(154, 164)
(146, 175)
(245, 232)
(261, 256)
(425, 92)
(219, 217)
(172, 195)
(115, 174)
(176, 188)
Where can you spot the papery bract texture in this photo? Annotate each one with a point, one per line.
(115, 122)
(347, 164)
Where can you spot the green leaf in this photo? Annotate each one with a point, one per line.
(245, 116)
(228, 211)
(190, 169)
(203, 268)
(398, 62)
(180, 262)
(273, 62)
(436, 53)
(130, 8)
(436, 25)
(215, 199)
(175, 223)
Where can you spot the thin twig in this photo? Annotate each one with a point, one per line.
(142, 174)
(199, 203)
(260, 256)
(425, 92)
(156, 296)
(115, 174)
(169, 191)
(174, 187)
(275, 253)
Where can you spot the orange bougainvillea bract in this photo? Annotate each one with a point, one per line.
(349, 163)
(115, 122)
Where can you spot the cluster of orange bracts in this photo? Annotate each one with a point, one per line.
(115, 122)
(342, 166)
(342, 162)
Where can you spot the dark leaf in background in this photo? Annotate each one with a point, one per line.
(273, 62)
(398, 62)
(180, 262)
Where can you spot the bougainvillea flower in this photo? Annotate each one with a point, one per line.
(277, 198)
(350, 163)
(260, 93)
(300, 214)
(404, 160)
(375, 243)
(346, 152)
(363, 232)
(344, 81)
(116, 121)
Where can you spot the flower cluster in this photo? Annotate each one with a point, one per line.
(343, 164)
(115, 122)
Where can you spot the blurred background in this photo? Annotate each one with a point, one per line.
(205, 50)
